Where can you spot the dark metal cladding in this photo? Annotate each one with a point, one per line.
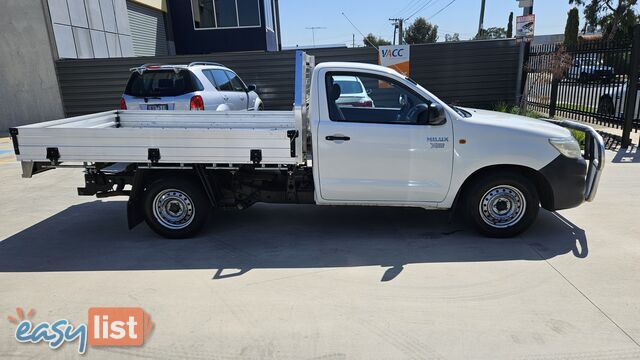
(477, 74)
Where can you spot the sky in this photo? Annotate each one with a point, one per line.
(371, 16)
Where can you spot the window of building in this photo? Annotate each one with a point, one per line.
(212, 14)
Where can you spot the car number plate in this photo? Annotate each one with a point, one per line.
(158, 107)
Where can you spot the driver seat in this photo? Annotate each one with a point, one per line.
(334, 111)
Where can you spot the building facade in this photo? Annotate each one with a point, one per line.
(206, 26)
(86, 29)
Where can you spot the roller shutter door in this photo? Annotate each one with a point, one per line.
(148, 30)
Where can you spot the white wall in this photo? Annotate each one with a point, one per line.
(29, 90)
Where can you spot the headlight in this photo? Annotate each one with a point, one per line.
(568, 147)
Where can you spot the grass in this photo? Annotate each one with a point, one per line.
(513, 109)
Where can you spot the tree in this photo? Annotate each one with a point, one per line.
(571, 30)
(510, 26)
(491, 33)
(421, 32)
(374, 41)
(615, 18)
(451, 38)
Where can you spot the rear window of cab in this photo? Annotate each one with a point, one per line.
(161, 83)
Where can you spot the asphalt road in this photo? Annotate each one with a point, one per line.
(305, 282)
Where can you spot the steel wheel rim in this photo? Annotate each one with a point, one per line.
(173, 209)
(503, 206)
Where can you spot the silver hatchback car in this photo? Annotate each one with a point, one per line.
(197, 86)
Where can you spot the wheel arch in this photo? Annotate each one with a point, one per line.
(144, 178)
(543, 187)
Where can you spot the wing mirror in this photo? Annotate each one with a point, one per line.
(432, 114)
(251, 87)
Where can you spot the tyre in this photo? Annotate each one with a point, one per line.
(502, 205)
(176, 208)
(584, 78)
(260, 107)
(606, 106)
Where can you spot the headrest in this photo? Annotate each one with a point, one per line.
(335, 92)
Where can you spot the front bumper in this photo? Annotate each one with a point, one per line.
(576, 180)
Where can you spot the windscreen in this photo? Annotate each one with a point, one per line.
(161, 83)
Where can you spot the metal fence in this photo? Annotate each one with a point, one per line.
(593, 82)
(479, 74)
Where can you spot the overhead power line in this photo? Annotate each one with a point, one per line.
(424, 6)
(441, 10)
(407, 8)
(358, 30)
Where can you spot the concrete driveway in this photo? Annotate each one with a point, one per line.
(304, 282)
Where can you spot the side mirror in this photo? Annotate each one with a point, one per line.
(251, 87)
(369, 91)
(433, 114)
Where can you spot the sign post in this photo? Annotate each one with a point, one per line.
(525, 27)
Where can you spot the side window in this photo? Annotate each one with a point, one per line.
(371, 99)
(237, 84)
(218, 79)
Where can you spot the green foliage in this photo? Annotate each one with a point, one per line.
(372, 40)
(572, 28)
(615, 18)
(513, 109)
(421, 32)
(510, 26)
(491, 33)
(451, 38)
(579, 136)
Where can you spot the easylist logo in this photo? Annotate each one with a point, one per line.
(110, 326)
(117, 326)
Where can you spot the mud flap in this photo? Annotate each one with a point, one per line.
(135, 212)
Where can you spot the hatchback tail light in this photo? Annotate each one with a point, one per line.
(123, 104)
(362, 103)
(196, 103)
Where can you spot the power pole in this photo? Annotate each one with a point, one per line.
(481, 23)
(398, 24)
(313, 32)
(354, 40)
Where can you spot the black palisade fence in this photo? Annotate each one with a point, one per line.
(594, 82)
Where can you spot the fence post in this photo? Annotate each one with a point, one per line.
(632, 89)
(553, 101)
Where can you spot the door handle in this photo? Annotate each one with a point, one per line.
(338, 138)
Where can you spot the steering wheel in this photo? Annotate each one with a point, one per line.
(403, 115)
(415, 111)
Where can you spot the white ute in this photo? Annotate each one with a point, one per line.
(407, 149)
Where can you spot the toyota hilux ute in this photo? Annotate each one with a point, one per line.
(408, 149)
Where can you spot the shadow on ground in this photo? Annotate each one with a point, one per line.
(630, 155)
(94, 237)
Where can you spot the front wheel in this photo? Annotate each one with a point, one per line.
(176, 208)
(502, 205)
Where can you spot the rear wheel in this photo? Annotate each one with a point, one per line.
(606, 106)
(176, 208)
(502, 205)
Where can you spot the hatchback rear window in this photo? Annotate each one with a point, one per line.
(349, 87)
(160, 83)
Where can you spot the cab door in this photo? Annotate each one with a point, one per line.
(378, 152)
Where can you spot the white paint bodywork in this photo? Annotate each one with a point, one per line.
(394, 164)
(382, 164)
